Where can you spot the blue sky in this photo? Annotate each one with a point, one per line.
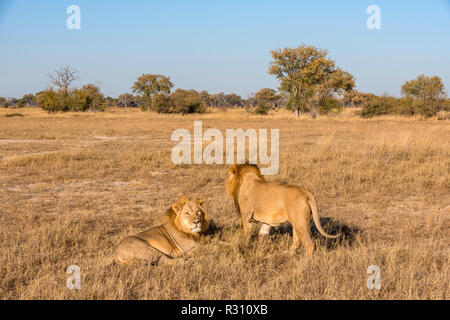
(218, 45)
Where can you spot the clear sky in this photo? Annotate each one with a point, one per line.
(218, 45)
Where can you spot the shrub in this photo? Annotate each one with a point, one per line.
(162, 103)
(446, 106)
(262, 109)
(187, 101)
(50, 101)
(413, 106)
(443, 115)
(265, 100)
(28, 100)
(330, 105)
(376, 106)
(88, 98)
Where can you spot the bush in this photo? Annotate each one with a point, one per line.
(265, 99)
(28, 100)
(262, 109)
(187, 101)
(446, 106)
(162, 103)
(330, 105)
(443, 115)
(50, 101)
(376, 106)
(413, 106)
(88, 98)
(407, 106)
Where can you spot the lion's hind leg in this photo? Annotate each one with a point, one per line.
(133, 248)
(300, 229)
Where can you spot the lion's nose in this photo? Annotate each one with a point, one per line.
(196, 222)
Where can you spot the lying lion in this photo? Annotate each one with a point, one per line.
(273, 204)
(183, 225)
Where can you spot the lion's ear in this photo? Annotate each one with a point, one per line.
(200, 202)
(177, 207)
(232, 170)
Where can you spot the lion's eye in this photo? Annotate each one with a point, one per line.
(199, 212)
(187, 213)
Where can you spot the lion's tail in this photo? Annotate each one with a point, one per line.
(313, 205)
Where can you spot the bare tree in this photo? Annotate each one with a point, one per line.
(63, 77)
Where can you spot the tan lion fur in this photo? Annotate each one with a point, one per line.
(183, 224)
(273, 204)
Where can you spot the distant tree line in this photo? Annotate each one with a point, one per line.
(310, 82)
(424, 96)
(28, 100)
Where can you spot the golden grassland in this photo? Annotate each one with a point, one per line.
(73, 185)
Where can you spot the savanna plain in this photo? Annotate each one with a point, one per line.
(73, 185)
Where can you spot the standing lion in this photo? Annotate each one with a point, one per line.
(273, 204)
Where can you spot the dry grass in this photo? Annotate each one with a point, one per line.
(73, 185)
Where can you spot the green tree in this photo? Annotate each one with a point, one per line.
(217, 100)
(111, 102)
(88, 98)
(205, 97)
(265, 100)
(162, 103)
(187, 101)
(309, 76)
(330, 106)
(430, 91)
(376, 106)
(49, 100)
(148, 85)
(355, 99)
(29, 100)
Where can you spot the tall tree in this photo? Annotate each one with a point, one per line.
(429, 91)
(148, 85)
(63, 77)
(425, 88)
(309, 76)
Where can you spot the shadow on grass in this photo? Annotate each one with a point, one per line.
(12, 115)
(347, 238)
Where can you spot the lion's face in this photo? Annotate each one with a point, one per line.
(191, 217)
